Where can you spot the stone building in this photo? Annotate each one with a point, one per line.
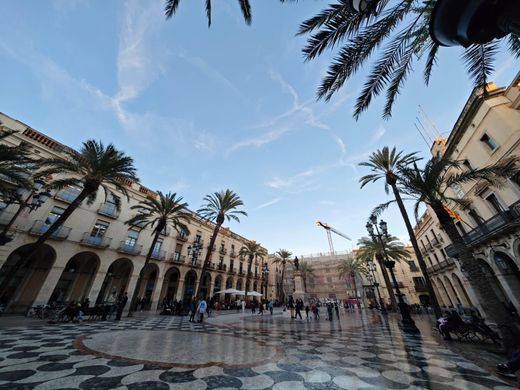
(96, 253)
(487, 131)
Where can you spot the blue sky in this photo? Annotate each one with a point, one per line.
(228, 107)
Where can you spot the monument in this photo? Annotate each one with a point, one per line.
(299, 290)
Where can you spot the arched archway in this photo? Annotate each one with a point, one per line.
(255, 286)
(205, 286)
(218, 285)
(170, 284)
(116, 279)
(438, 293)
(448, 300)
(452, 292)
(493, 280)
(229, 284)
(76, 279)
(508, 272)
(239, 284)
(23, 288)
(457, 283)
(150, 275)
(190, 279)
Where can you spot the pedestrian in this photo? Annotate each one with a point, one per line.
(307, 309)
(121, 305)
(201, 309)
(329, 310)
(336, 309)
(261, 308)
(508, 369)
(193, 308)
(291, 306)
(271, 306)
(253, 305)
(299, 307)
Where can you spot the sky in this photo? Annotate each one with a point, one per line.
(232, 106)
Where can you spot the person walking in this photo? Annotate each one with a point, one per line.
(336, 309)
(291, 306)
(307, 310)
(271, 306)
(201, 309)
(193, 308)
(299, 307)
(329, 310)
(315, 311)
(261, 308)
(121, 305)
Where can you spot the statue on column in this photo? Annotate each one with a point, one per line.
(296, 263)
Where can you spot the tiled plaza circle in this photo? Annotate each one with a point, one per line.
(171, 348)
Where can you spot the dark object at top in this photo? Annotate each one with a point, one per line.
(296, 263)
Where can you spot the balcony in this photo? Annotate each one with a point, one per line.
(95, 241)
(421, 289)
(130, 249)
(436, 243)
(182, 237)
(67, 195)
(446, 264)
(500, 224)
(241, 273)
(429, 247)
(5, 217)
(222, 267)
(232, 254)
(40, 227)
(109, 210)
(222, 251)
(232, 271)
(158, 255)
(178, 258)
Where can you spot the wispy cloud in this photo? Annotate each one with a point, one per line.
(269, 203)
(378, 134)
(260, 140)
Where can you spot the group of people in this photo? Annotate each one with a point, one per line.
(198, 307)
(296, 306)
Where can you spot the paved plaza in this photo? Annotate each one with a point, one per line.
(361, 351)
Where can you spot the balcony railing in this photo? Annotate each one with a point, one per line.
(420, 289)
(5, 217)
(429, 247)
(436, 243)
(177, 257)
(222, 267)
(95, 241)
(232, 254)
(232, 271)
(158, 255)
(67, 195)
(448, 263)
(130, 249)
(40, 227)
(109, 209)
(242, 273)
(222, 251)
(499, 224)
(182, 237)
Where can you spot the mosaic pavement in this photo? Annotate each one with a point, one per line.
(358, 352)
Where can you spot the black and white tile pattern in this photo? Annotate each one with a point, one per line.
(364, 355)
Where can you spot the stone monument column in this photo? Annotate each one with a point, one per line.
(299, 291)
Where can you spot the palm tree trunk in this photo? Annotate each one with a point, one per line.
(387, 283)
(43, 238)
(353, 276)
(494, 309)
(140, 278)
(249, 264)
(283, 288)
(208, 254)
(422, 265)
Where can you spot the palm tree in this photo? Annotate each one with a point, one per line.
(220, 206)
(252, 250)
(281, 256)
(158, 213)
(94, 166)
(306, 270)
(430, 185)
(350, 267)
(171, 8)
(385, 164)
(368, 249)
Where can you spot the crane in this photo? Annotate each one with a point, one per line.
(329, 229)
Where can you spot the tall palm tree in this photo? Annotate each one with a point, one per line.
(370, 249)
(386, 164)
(281, 256)
(220, 206)
(171, 8)
(351, 266)
(252, 250)
(306, 270)
(431, 186)
(94, 166)
(158, 213)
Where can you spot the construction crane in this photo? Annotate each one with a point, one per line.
(329, 229)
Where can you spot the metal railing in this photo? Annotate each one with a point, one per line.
(109, 209)
(222, 251)
(40, 227)
(420, 289)
(177, 257)
(158, 255)
(182, 237)
(131, 249)
(95, 241)
(232, 254)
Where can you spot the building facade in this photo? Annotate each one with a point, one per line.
(487, 131)
(95, 253)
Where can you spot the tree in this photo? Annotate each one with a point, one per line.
(397, 34)
(158, 213)
(431, 186)
(368, 249)
(94, 166)
(220, 206)
(281, 256)
(252, 250)
(350, 267)
(306, 270)
(386, 164)
(171, 8)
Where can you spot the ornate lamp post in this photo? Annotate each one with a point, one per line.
(380, 305)
(194, 251)
(265, 278)
(407, 322)
(36, 198)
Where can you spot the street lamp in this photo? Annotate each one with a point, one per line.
(265, 277)
(408, 323)
(372, 268)
(194, 251)
(36, 198)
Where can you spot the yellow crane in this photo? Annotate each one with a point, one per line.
(330, 229)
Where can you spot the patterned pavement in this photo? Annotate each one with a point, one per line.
(358, 352)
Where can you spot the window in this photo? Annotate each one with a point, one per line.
(221, 258)
(182, 233)
(413, 266)
(495, 203)
(436, 258)
(475, 216)
(99, 229)
(468, 165)
(157, 246)
(457, 189)
(54, 215)
(240, 267)
(198, 237)
(461, 228)
(232, 248)
(419, 281)
(231, 264)
(131, 238)
(443, 254)
(429, 261)
(491, 144)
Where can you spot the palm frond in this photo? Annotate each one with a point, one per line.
(431, 60)
(245, 7)
(171, 7)
(479, 61)
(514, 44)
